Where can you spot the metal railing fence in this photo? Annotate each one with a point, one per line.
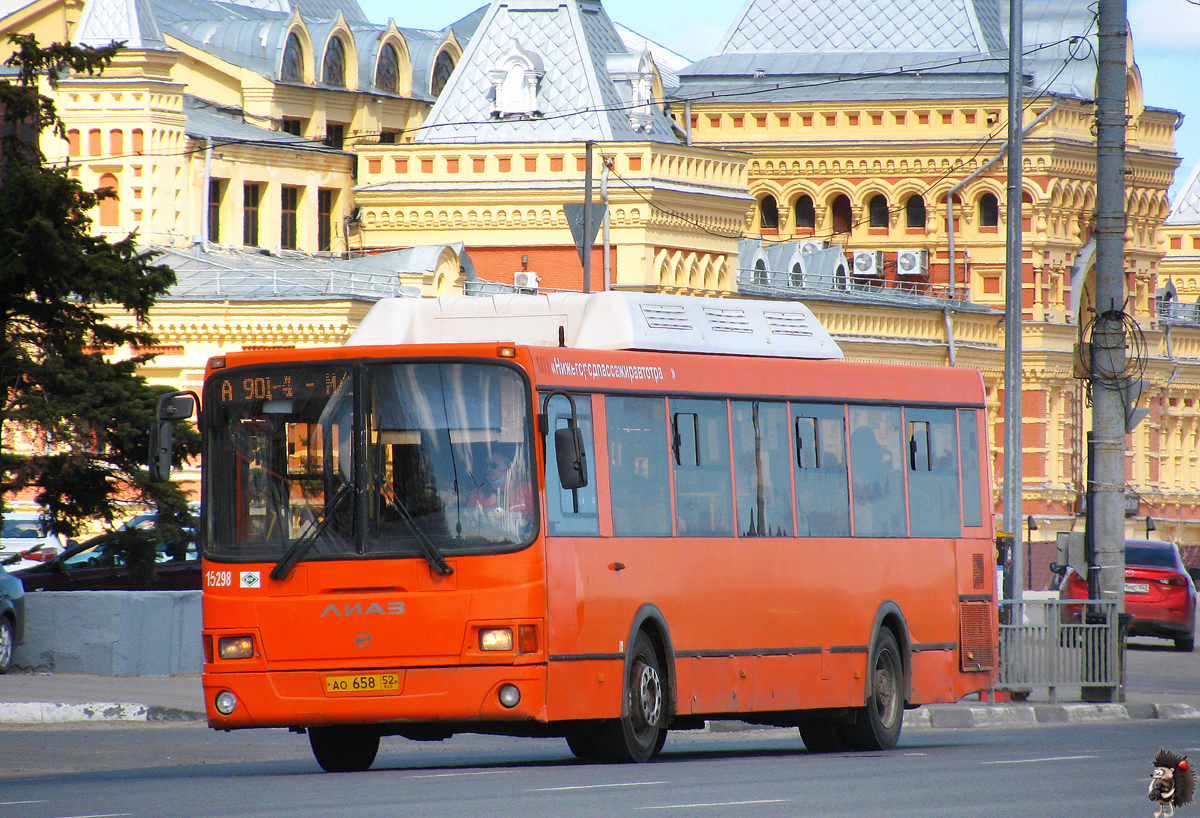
(1052, 643)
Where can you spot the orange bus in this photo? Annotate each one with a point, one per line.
(600, 517)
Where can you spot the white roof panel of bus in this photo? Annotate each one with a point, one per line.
(608, 320)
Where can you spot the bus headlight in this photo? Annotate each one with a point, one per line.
(235, 647)
(226, 702)
(496, 639)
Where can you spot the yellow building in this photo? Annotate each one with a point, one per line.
(853, 161)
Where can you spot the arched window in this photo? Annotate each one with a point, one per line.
(879, 211)
(914, 211)
(73, 142)
(116, 142)
(387, 70)
(94, 142)
(768, 213)
(843, 214)
(760, 272)
(989, 210)
(806, 214)
(333, 72)
(443, 67)
(110, 208)
(292, 69)
(138, 139)
(796, 278)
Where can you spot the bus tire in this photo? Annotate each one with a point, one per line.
(583, 744)
(640, 732)
(877, 725)
(343, 748)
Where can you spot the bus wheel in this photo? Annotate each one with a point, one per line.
(343, 749)
(821, 735)
(877, 726)
(584, 744)
(639, 735)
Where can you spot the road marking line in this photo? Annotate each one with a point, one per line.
(598, 786)
(452, 775)
(105, 815)
(19, 803)
(721, 804)
(1039, 760)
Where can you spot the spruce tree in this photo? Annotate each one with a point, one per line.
(87, 416)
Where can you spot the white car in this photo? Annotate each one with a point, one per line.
(25, 533)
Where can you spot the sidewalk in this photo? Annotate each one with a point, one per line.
(39, 698)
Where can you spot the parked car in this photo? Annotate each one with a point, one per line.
(12, 618)
(25, 540)
(1159, 593)
(111, 562)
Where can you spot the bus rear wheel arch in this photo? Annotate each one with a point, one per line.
(877, 724)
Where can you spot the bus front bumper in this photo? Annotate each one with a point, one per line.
(309, 698)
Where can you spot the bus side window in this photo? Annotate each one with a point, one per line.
(876, 474)
(933, 504)
(637, 466)
(968, 442)
(760, 465)
(822, 484)
(571, 511)
(703, 484)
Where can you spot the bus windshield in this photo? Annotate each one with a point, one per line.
(337, 461)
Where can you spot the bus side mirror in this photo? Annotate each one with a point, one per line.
(571, 457)
(172, 407)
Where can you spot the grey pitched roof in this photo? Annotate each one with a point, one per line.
(578, 99)
(782, 51)
(131, 21)
(1186, 208)
(874, 25)
(221, 273)
(208, 120)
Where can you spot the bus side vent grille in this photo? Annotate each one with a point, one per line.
(976, 636)
(665, 316)
(727, 320)
(977, 571)
(784, 323)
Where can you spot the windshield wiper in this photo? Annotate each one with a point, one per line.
(302, 543)
(431, 552)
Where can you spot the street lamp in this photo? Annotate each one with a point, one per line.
(1150, 526)
(1030, 527)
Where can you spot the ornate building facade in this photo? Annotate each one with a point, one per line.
(855, 161)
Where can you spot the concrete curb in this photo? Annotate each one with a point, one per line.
(61, 713)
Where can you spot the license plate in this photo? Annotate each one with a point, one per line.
(1137, 588)
(362, 683)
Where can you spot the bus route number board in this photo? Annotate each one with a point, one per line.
(363, 683)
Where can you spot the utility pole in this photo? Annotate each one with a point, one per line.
(1110, 382)
(1013, 479)
(587, 216)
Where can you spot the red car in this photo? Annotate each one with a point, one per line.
(1158, 592)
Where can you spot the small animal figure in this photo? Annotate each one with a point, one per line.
(1173, 783)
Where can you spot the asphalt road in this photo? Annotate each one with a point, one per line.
(1098, 770)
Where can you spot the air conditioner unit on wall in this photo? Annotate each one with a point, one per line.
(868, 264)
(812, 245)
(912, 263)
(525, 280)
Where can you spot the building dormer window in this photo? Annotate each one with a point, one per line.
(634, 76)
(333, 72)
(292, 69)
(443, 67)
(387, 70)
(516, 82)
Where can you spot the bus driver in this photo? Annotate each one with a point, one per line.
(504, 499)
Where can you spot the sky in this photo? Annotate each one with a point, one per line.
(1166, 43)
